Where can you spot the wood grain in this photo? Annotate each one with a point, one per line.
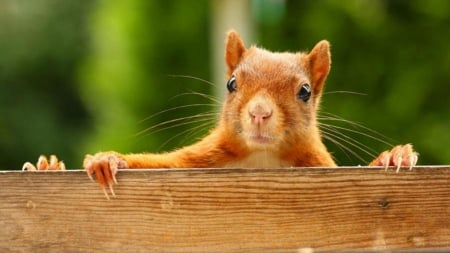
(235, 210)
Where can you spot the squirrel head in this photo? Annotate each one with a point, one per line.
(273, 97)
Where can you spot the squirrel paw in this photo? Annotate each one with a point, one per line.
(104, 166)
(44, 164)
(399, 156)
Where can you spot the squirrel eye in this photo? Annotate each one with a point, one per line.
(305, 92)
(231, 84)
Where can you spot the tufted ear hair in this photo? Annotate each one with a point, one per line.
(234, 50)
(319, 65)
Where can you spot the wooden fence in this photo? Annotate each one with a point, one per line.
(228, 210)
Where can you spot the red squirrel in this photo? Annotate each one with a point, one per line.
(268, 119)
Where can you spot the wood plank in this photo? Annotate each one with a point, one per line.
(207, 210)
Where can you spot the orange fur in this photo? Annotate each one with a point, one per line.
(265, 79)
(263, 122)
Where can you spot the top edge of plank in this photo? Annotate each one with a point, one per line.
(333, 169)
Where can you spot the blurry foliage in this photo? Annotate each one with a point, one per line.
(79, 77)
(139, 51)
(42, 44)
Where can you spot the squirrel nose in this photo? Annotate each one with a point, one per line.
(259, 113)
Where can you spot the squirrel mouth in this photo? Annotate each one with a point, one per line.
(259, 136)
(261, 139)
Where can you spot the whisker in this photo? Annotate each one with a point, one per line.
(180, 124)
(190, 130)
(175, 108)
(344, 148)
(381, 138)
(196, 130)
(359, 133)
(331, 136)
(188, 120)
(149, 130)
(366, 149)
(194, 78)
(209, 97)
(345, 92)
(339, 145)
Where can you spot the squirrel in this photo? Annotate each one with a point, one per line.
(268, 119)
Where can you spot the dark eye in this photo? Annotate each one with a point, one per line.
(231, 84)
(305, 92)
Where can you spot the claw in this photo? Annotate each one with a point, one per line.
(400, 156)
(114, 166)
(62, 166)
(106, 193)
(413, 161)
(386, 161)
(28, 166)
(399, 164)
(44, 164)
(90, 177)
(111, 189)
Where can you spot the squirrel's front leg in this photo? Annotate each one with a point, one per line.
(105, 165)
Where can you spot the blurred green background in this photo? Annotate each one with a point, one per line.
(80, 77)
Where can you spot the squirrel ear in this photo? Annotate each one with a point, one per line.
(319, 64)
(234, 50)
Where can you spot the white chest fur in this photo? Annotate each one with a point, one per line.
(259, 159)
